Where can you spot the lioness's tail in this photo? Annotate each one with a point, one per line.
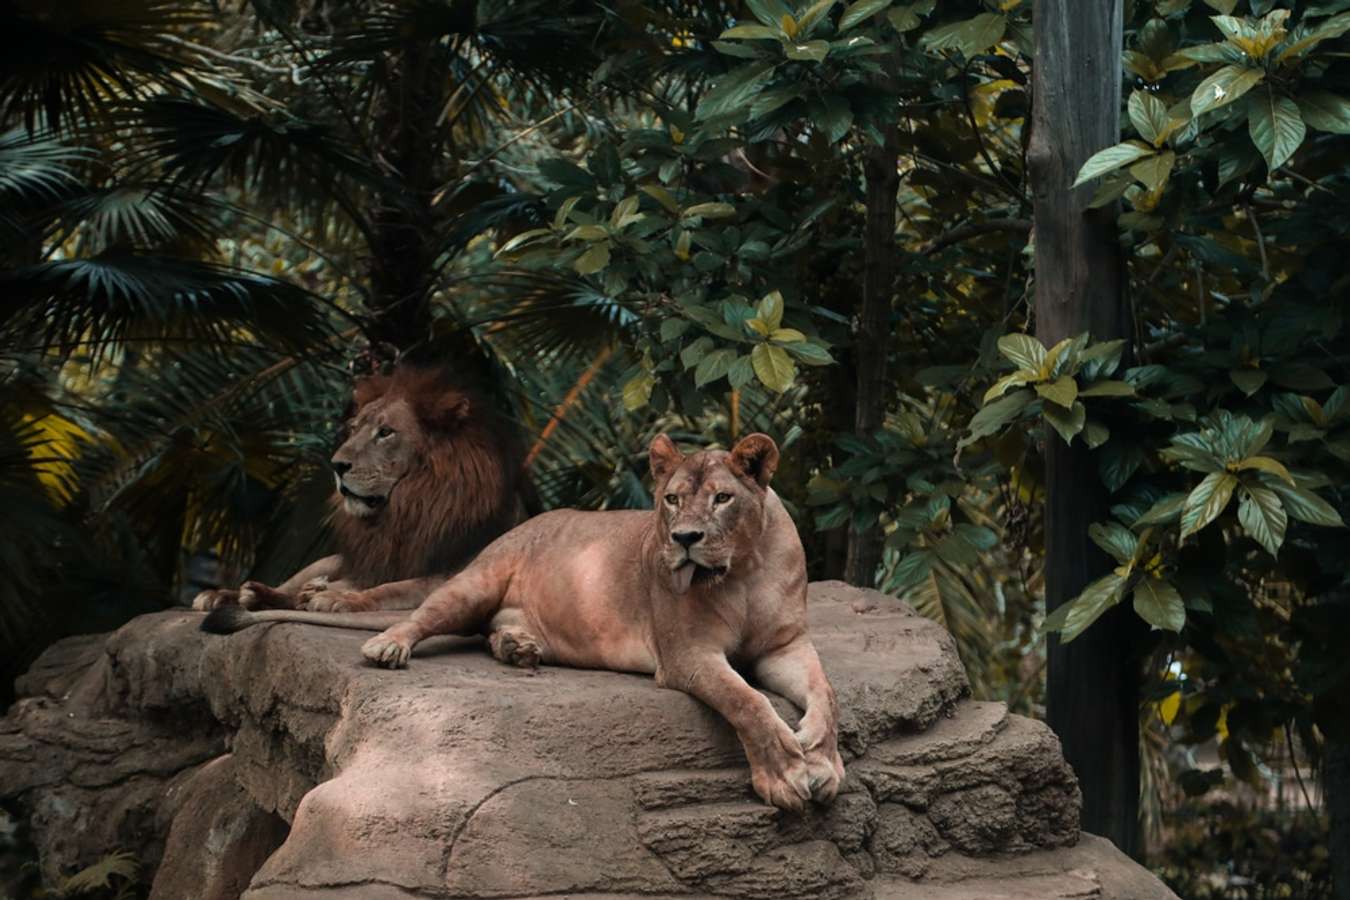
(229, 619)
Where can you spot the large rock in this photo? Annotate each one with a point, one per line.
(274, 762)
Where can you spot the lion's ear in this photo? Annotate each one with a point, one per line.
(445, 410)
(757, 456)
(664, 456)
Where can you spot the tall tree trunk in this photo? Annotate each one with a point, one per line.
(1336, 780)
(872, 331)
(1092, 683)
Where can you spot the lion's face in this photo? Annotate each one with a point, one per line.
(383, 443)
(710, 506)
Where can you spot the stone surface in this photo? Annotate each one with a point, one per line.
(276, 763)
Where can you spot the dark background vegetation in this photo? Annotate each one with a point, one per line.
(710, 218)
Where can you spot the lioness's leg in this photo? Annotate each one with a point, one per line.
(406, 594)
(794, 671)
(515, 646)
(777, 765)
(462, 605)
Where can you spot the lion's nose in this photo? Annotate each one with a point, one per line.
(687, 539)
(342, 468)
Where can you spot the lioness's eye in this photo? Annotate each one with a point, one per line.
(384, 431)
(672, 499)
(722, 498)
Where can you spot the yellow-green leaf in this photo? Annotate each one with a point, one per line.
(1204, 504)
(771, 310)
(1223, 87)
(815, 51)
(1067, 422)
(787, 336)
(1148, 114)
(1159, 604)
(1262, 516)
(861, 11)
(1108, 389)
(1110, 159)
(522, 239)
(748, 33)
(1023, 351)
(1072, 618)
(971, 36)
(1266, 464)
(711, 210)
(638, 391)
(1154, 171)
(1000, 387)
(587, 233)
(1063, 391)
(593, 260)
(1276, 126)
(774, 368)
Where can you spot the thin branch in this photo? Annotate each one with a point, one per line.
(1260, 242)
(975, 229)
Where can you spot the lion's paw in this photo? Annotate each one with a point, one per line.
(515, 647)
(825, 773)
(338, 601)
(214, 599)
(788, 786)
(310, 588)
(387, 650)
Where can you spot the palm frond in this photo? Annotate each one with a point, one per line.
(62, 62)
(36, 173)
(142, 217)
(118, 296)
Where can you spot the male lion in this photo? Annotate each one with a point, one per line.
(715, 576)
(426, 476)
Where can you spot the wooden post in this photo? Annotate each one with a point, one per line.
(1092, 683)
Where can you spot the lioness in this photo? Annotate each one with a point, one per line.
(425, 477)
(715, 576)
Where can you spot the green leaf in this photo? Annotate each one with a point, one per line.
(1325, 111)
(1000, 387)
(711, 210)
(1166, 510)
(1110, 159)
(1268, 465)
(837, 117)
(861, 11)
(993, 416)
(734, 91)
(593, 260)
(749, 33)
(1262, 516)
(1117, 540)
(1108, 389)
(774, 367)
(773, 99)
(1063, 391)
(1306, 506)
(713, 366)
(1276, 127)
(970, 37)
(955, 551)
(1153, 172)
(811, 354)
(1066, 422)
(1207, 501)
(912, 569)
(1118, 463)
(673, 328)
(770, 12)
(741, 373)
(815, 51)
(1249, 381)
(977, 536)
(814, 14)
(1095, 434)
(1023, 351)
(770, 310)
(587, 233)
(638, 391)
(1223, 87)
(1159, 604)
(903, 18)
(1072, 618)
(1148, 115)
(522, 239)
(787, 336)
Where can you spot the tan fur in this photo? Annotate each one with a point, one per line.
(439, 474)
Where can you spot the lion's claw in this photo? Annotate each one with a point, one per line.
(311, 588)
(337, 601)
(387, 651)
(515, 647)
(214, 599)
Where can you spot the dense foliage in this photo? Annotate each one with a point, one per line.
(655, 216)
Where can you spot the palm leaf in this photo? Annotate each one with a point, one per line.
(36, 173)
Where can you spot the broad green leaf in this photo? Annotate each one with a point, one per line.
(1268, 465)
(593, 260)
(713, 366)
(773, 99)
(1110, 159)
(1207, 501)
(734, 91)
(814, 13)
(1086, 608)
(970, 37)
(749, 33)
(770, 12)
(955, 551)
(1148, 115)
(1022, 350)
(903, 19)
(1067, 422)
(1117, 540)
(1102, 359)
(1108, 389)
(977, 536)
(1062, 356)
(1166, 510)
(1249, 381)
(836, 117)
(815, 51)
(691, 354)
(1153, 171)
(711, 210)
(1306, 506)
(1223, 6)
(1325, 111)
(775, 369)
(662, 196)
(1305, 41)
(673, 328)
(1000, 387)
(587, 233)
(993, 416)
(811, 354)
(1223, 87)
(1095, 434)
(522, 239)
(861, 11)
(742, 372)
(787, 336)
(1063, 391)
(1118, 463)
(638, 391)
(1275, 125)
(1159, 604)
(682, 245)
(1262, 516)
(771, 310)
(912, 569)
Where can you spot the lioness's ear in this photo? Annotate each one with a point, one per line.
(757, 456)
(664, 456)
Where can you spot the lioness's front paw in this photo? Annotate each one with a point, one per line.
(214, 599)
(780, 776)
(825, 773)
(339, 601)
(387, 649)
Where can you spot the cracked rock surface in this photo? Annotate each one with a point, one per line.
(276, 765)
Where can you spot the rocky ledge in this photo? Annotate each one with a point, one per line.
(275, 764)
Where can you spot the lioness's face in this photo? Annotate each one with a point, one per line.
(380, 447)
(710, 506)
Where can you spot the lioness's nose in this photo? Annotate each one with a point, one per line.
(342, 468)
(687, 539)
